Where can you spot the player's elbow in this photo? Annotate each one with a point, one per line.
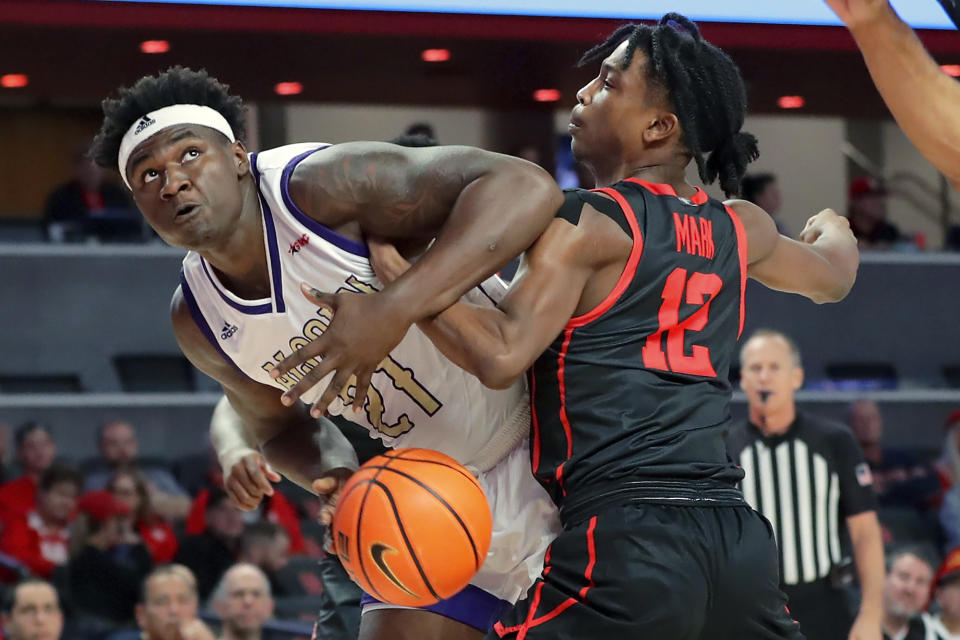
(499, 372)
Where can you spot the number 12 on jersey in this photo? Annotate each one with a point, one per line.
(701, 289)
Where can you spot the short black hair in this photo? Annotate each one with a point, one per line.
(26, 429)
(753, 184)
(705, 89)
(59, 473)
(176, 85)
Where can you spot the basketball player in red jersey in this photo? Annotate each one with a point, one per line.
(924, 100)
(627, 312)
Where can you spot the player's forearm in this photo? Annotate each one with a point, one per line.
(309, 450)
(473, 338)
(496, 217)
(867, 545)
(841, 261)
(924, 100)
(227, 434)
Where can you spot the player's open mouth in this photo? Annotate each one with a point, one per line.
(187, 209)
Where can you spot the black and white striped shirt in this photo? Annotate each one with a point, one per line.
(805, 482)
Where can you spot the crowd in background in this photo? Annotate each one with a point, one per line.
(95, 529)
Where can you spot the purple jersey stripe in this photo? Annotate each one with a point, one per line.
(354, 247)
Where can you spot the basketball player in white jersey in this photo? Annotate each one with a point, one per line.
(258, 225)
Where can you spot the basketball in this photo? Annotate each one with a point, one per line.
(412, 527)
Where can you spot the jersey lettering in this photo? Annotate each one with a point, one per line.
(701, 289)
(403, 378)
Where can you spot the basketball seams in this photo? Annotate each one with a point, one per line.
(406, 540)
(476, 554)
(371, 482)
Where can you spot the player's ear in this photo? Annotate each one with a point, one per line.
(797, 378)
(238, 153)
(662, 127)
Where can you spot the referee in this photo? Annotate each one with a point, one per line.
(804, 474)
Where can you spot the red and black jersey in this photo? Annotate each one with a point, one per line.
(637, 388)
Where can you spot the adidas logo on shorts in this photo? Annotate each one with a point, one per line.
(145, 122)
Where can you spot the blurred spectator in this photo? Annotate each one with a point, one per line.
(946, 622)
(244, 602)
(276, 508)
(867, 212)
(129, 487)
(32, 612)
(40, 539)
(168, 606)
(36, 451)
(421, 129)
(905, 592)
(899, 478)
(762, 190)
(86, 206)
(119, 446)
(209, 553)
(106, 573)
(804, 473)
(267, 546)
(948, 464)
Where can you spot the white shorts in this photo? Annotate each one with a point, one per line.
(525, 522)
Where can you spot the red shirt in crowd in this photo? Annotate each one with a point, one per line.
(38, 547)
(18, 498)
(160, 541)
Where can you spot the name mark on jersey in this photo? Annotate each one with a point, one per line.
(402, 378)
(694, 235)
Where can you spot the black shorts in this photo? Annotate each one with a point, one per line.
(652, 571)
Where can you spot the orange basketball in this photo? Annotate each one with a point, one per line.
(412, 527)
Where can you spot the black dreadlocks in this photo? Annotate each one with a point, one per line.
(176, 85)
(704, 87)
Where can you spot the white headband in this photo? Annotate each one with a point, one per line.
(156, 121)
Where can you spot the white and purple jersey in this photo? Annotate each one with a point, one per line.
(417, 397)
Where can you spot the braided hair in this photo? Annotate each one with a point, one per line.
(705, 89)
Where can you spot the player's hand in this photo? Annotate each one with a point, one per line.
(387, 262)
(328, 489)
(858, 12)
(247, 478)
(364, 330)
(866, 627)
(824, 222)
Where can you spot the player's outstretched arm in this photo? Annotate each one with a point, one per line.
(499, 344)
(251, 418)
(924, 100)
(822, 266)
(484, 209)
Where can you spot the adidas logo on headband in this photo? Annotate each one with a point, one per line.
(145, 122)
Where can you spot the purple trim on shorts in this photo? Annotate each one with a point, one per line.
(473, 607)
(331, 236)
(276, 268)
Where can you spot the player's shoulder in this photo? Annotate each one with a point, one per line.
(278, 158)
(758, 226)
(194, 344)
